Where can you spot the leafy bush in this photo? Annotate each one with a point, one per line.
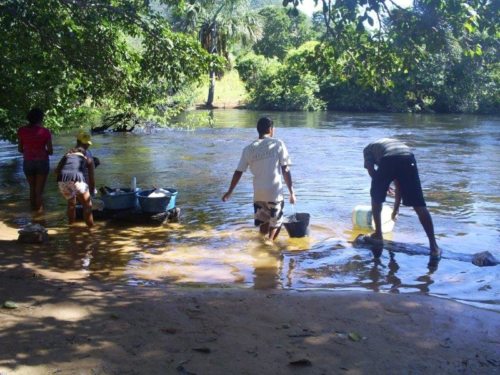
(276, 86)
(251, 66)
(62, 55)
(283, 29)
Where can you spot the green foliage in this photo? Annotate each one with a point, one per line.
(283, 29)
(437, 56)
(276, 86)
(251, 66)
(82, 60)
(218, 24)
(441, 72)
(257, 4)
(61, 55)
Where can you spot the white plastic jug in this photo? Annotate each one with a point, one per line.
(362, 218)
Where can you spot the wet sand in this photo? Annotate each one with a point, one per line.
(74, 325)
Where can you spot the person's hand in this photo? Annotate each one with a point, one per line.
(391, 191)
(394, 215)
(293, 199)
(226, 196)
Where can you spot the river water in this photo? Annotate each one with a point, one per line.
(216, 244)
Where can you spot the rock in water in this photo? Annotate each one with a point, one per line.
(33, 233)
(484, 259)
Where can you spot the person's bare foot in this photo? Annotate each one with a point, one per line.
(374, 239)
(434, 259)
(376, 244)
(435, 253)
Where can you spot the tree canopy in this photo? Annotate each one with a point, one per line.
(282, 30)
(219, 24)
(74, 58)
(62, 54)
(374, 55)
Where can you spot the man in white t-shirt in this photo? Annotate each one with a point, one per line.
(268, 160)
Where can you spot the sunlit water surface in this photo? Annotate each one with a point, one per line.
(215, 242)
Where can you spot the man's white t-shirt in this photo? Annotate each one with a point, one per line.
(265, 157)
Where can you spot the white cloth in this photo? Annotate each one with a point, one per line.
(72, 189)
(265, 157)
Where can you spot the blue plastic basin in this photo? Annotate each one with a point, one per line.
(120, 201)
(156, 204)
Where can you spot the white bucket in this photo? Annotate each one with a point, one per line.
(362, 218)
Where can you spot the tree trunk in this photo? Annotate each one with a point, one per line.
(211, 89)
(212, 50)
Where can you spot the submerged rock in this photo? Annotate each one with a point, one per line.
(33, 233)
(484, 259)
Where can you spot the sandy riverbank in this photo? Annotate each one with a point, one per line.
(83, 326)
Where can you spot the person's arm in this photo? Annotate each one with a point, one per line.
(369, 160)
(284, 159)
(242, 167)
(397, 200)
(287, 176)
(90, 167)
(234, 181)
(371, 169)
(50, 149)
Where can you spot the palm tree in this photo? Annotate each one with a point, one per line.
(220, 24)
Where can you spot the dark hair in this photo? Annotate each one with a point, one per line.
(264, 125)
(35, 116)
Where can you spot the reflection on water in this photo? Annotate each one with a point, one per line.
(215, 242)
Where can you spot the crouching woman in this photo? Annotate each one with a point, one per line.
(71, 180)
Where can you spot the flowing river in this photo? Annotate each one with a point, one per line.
(216, 244)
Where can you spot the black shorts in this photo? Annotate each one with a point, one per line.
(35, 167)
(404, 169)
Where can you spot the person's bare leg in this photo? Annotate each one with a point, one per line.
(274, 232)
(86, 202)
(32, 184)
(71, 210)
(40, 179)
(377, 213)
(426, 220)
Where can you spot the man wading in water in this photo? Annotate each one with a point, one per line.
(396, 162)
(268, 159)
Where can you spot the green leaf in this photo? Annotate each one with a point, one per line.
(469, 27)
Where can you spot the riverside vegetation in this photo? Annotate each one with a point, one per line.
(86, 61)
